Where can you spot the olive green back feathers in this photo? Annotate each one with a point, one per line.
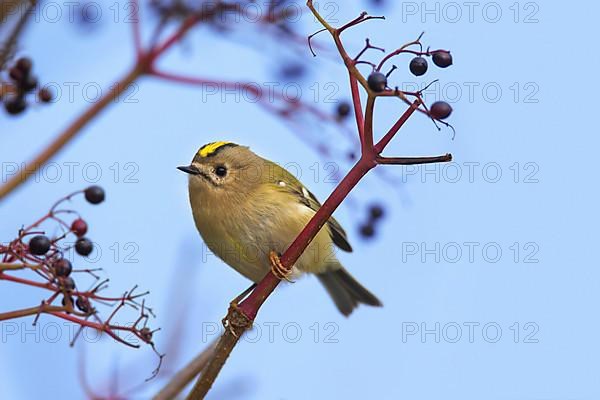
(285, 181)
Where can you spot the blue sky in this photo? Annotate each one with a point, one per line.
(486, 267)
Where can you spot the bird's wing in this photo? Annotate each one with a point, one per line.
(288, 182)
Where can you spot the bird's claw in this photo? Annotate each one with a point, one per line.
(278, 269)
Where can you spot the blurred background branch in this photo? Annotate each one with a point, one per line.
(8, 46)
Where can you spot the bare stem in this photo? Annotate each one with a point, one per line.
(186, 375)
(236, 324)
(25, 312)
(394, 129)
(367, 139)
(358, 112)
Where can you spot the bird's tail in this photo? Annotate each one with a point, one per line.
(345, 291)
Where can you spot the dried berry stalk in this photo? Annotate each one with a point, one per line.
(242, 314)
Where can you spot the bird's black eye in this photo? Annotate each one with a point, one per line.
(221, 171)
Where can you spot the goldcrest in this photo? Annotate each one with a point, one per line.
(245, 207)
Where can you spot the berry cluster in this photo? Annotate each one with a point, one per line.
(22, 82)
(376, 213)
(418, 66)
(60, 268)
(377, 81)
(44, 257)
(439, 110)
(441, 58)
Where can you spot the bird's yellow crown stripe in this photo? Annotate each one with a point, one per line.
(210, 148)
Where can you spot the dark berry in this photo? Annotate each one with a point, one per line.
(442, 59)
(418, 66)
(343, 110)
(39, 245)
(67, 300)
(16, 74)
(440, 110)
(67, 283)
(367, 230)
(45, 95)
(29, 83)
(292, 71)
(62, 267)
(377, 82)
(79, 227)
(94, 194)
(83, 305)
(15, 105)
(376, 212)
(24, 64)
(84, 246)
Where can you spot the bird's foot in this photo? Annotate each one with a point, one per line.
(278, 269)
(233, 313)
(233, 308)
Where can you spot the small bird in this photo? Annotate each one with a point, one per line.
(246, 207)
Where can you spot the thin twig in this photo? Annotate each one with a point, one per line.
(414, 160)
(186, 374)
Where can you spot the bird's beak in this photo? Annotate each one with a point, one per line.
(189, 169)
